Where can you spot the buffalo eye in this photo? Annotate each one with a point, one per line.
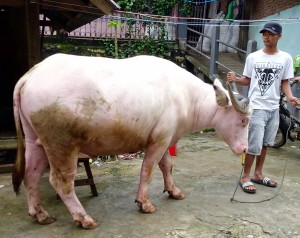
(245, 121)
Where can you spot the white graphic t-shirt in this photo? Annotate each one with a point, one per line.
(266, 72)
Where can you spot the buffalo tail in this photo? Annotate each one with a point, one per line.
(19, 166)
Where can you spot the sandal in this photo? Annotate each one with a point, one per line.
(245, 185)
(265, 181)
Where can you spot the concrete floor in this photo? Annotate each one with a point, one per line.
(204, 168)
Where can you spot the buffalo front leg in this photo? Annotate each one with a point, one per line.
(152, 157)
(165, 166)
(62, 175)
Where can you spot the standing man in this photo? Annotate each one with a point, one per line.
(266, 72)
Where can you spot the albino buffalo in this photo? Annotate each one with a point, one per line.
(99, 106)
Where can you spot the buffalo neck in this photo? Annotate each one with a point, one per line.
(204, 110)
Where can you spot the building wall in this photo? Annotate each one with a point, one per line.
(290, 30)
(261, 9)
(224, 5)
(267, 10)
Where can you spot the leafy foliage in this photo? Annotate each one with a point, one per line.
(145, 46)
(156, 7)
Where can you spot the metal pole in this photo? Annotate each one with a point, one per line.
(251, 46)
(214, 50)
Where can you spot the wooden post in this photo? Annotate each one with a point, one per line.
(33, 32)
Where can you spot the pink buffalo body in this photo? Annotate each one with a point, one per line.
(99, 106)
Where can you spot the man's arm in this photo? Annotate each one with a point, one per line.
(286, 88)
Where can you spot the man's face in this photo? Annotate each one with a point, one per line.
(270, 39)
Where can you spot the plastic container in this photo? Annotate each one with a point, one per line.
(172, 150)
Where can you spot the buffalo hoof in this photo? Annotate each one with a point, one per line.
(179, 196)
(45, 218)
(87, 222)
(47, 221)
(147, 207)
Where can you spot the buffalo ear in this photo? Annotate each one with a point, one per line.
(221, 97)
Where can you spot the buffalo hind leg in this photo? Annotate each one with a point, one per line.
(62, 175)
(165, 166)
(36, 163)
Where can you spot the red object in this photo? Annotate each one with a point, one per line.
(172, 150)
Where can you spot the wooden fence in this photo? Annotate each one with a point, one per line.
(130, 27)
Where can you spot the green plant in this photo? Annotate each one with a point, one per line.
(149, 45)
(109, 47)
(156, 7)
(115, 24)
(133, 5)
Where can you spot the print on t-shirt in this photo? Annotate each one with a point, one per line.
(266, 73)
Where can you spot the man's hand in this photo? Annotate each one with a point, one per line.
(294, 101)
(231, 77)
(297, 79)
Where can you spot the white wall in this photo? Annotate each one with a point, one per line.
(290, 41)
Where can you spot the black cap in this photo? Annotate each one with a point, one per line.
(273, 27)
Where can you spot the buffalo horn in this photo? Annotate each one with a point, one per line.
(239, 102)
